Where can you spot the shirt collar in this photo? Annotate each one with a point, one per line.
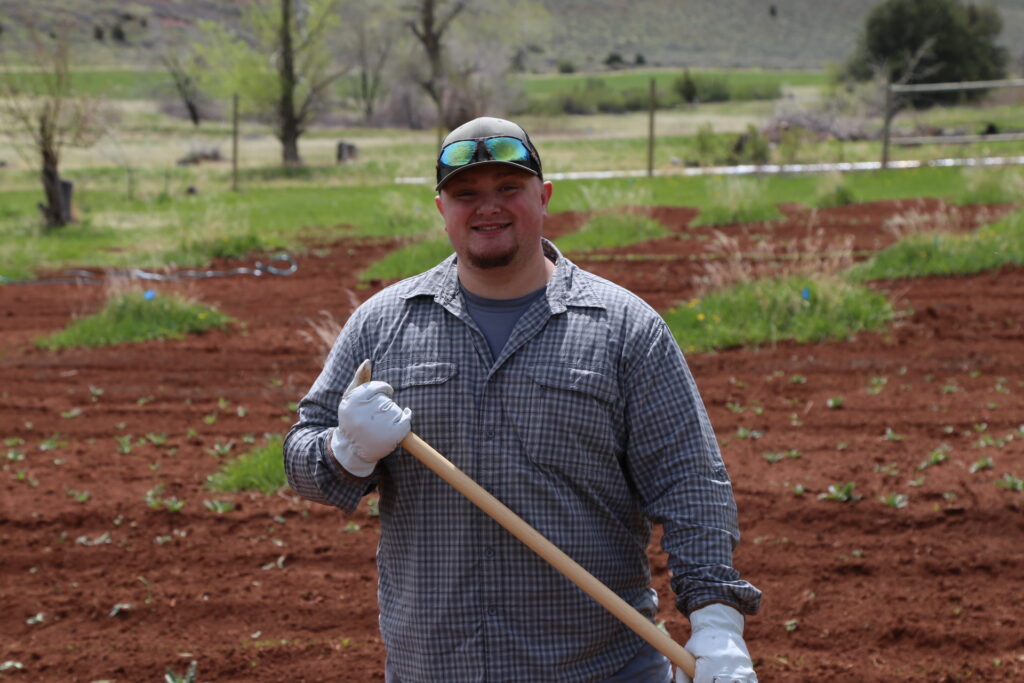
(566, 288)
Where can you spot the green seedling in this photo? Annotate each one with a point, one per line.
(799, 490)
(95, 393)
(188, 677)
(80, 496)
(211, 418)
(894, 500)
(792, 625)
(795, 421)
(734, 407)
(935, 457)
(240, 411)
(52, 443)
(843, 493)
(36, 619)
(351, 528)
(891, 435)
(744, 433)
(71, 414)
(798, 379)
(102, 539)
(14, 455)
(156, 439)
(890, 470)
(1011, 482)
(223, 403)
(835, 402)
(877, 384)
(12, 441)
(218, 506)
(776, 456)
(124, 443)
(155, 500)
(373, 507)
(143, 400)
(982, 464)
(221, 448)
(950, 389)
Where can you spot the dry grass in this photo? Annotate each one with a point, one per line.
(324, 330)
(730, 265)
(943, 219)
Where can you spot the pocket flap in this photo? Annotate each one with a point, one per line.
(416, 374)
(589, 382)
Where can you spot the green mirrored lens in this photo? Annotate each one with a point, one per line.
(507, 149)
(458, 153)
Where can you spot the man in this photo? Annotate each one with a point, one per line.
(563, 395)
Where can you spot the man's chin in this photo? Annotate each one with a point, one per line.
(489, 261)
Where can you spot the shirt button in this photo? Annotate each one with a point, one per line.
(489, 435)
(488, 552)
(492, 611)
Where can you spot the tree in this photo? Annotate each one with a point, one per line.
(280, 64)
(373, 33)
(48, 115)
(469, 48)
(930, 41)
(431, 19)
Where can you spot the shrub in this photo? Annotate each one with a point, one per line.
(737, 200)
(617, 229)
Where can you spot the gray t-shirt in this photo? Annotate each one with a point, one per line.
(497, 317)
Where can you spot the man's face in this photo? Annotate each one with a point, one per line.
(494, 215)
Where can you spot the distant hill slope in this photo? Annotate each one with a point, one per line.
(699, 33)
(723, 33)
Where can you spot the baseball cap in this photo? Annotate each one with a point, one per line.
(486, 140)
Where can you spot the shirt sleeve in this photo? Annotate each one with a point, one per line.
(313, 471)
(673, 459)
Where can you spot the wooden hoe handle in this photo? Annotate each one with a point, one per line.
(515, 524)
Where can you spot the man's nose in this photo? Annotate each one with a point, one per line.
(490, 202)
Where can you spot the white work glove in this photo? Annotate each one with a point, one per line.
(716, 640)
(370, 425)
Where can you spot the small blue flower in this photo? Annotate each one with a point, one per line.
(806, 293)
(149, 294)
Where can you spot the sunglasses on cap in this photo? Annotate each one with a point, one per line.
(503, 148)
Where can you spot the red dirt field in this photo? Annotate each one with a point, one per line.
(284, 590)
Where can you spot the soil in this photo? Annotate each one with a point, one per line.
(96, 585)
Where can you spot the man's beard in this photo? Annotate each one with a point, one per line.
(492, 261)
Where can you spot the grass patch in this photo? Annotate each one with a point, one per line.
(737, 200)
(261, 469)
(985, 186)
(409, 260)
(618, 229)
(800, 308)
(943, 253)
(833, 191)
(137, 316)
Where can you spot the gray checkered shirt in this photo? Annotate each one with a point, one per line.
(588, 425)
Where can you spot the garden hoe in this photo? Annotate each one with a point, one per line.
(515, 524)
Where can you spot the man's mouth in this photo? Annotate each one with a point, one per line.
(491, 228)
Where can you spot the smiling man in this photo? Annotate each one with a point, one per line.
(563, 395)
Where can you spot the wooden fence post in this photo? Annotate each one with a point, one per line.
(650, 131)
(234, 143)
(887, 124)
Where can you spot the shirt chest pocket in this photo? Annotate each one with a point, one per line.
(572, 418)
(424, 387)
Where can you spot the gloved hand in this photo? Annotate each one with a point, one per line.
(370, 425)
(716, 641)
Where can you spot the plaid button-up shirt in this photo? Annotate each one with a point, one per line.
(588, 425)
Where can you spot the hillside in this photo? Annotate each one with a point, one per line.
(701, 33)
(726, 33)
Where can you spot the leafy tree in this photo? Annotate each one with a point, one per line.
(469, 46)
(44, 112)
(373, 33)
(280, 64)
(930, 41)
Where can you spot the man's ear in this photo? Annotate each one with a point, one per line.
(545, 194)
(437, 203)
